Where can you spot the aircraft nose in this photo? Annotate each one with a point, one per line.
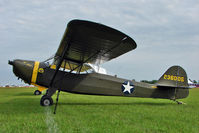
(22, 69)
(10, 62)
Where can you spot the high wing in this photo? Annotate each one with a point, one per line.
(89, 42)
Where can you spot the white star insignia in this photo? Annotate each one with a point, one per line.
(127, 87)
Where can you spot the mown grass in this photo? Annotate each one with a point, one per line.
(20, 112)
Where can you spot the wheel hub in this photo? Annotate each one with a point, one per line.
(46, 102)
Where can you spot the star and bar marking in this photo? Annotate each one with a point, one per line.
(127, 87)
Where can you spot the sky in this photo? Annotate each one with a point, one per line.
(166, 33)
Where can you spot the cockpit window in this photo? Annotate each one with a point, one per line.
(47, 64)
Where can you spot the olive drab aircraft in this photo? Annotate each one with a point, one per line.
(75, 67)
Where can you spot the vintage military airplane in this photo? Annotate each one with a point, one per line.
(85, 44)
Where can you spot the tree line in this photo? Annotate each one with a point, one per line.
(154, 81)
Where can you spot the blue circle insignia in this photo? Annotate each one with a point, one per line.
(127, 87)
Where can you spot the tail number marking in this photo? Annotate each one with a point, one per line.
(175, 78)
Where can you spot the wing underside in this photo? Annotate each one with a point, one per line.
(89, 42)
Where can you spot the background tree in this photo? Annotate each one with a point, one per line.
(150, 82)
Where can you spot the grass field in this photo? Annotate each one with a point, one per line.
(20, 112)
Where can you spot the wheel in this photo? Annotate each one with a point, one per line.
(179, 102)
(37, 92)
(46, 101)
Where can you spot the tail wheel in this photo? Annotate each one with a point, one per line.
(46, 101)
(37, 92)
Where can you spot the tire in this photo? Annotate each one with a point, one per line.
(46, 101)
(37, 92)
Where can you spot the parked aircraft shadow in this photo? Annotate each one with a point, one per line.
(133, 103)
(25, 94)
(32, 105)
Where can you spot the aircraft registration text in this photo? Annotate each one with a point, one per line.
(175, 78)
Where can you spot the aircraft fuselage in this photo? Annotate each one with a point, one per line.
(101, 84)
(91, 83)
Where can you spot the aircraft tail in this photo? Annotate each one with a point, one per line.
(175, 76)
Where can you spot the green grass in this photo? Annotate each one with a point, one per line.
(20, 112)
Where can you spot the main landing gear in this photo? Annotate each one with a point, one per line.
(46, 100)
(37, 92)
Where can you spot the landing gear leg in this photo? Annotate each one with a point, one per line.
(46, 100)
(37, 92)
(57, 99)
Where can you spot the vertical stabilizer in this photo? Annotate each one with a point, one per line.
(175, 76)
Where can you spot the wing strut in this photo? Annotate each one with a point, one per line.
(51, 90)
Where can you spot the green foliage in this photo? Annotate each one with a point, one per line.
(20, 112)
(150, 82)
